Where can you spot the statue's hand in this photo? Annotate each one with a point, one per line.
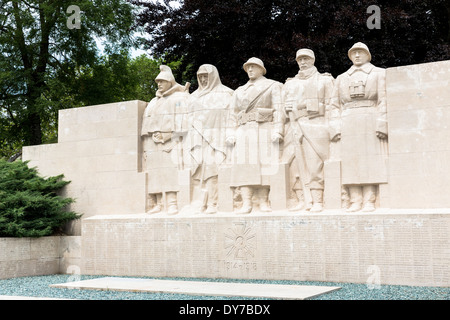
(336, 138)
(157, 137)
(277, 138)
(230, 141)
(381, 135)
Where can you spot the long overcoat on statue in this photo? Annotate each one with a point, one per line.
(359, 112)
(308, 94)
(255, 116)
(165, 117)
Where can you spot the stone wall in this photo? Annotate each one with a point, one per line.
(99, 151)
(418, 102)
(20, 257)
(391, 247)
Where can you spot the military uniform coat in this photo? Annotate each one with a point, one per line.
(164, 115)
(255, 116)
(359, 112)
(309, 94)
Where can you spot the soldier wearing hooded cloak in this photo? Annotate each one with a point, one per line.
(208, 108)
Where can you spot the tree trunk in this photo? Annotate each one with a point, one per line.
(34, 130)
(447, 5)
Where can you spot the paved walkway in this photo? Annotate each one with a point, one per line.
(251, 290)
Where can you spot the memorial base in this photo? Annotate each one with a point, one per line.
(399, 247)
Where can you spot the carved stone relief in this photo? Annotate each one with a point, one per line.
(248, 133)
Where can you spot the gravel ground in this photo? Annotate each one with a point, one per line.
(39, 287)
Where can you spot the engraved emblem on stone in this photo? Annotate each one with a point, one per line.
(240, 242)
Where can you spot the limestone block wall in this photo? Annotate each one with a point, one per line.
(390, 247)
(99, 151)
(418, 102)
(20, 257)
(70, 255)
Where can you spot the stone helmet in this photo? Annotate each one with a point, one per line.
(305, 52)
(165, 74)
(256, 61)
(360, 46)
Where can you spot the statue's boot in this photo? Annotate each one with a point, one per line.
(369, 197)
(154, 204)
(317, 197)
(264, 205)
(172, 207)
(302, 205)
(211, 186)
(247, 205)
(356, 198)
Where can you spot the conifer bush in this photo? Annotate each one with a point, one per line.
(29, 204)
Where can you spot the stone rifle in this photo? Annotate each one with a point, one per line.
(299, 156)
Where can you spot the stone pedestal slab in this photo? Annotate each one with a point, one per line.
(403, 247)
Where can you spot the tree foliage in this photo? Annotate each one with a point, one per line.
(117, 77)
(29, 204)
(45, 66)
(226, 33)
(40, 55)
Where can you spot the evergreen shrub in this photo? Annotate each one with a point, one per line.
(30, 205)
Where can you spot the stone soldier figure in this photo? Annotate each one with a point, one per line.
(162, 128)
(307, 138)
(360, 123)
(255, 107)
(208, 107)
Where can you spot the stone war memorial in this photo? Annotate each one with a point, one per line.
(342, 179)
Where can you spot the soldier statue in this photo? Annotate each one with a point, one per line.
(208, 109)
(255, 118)
(163, 127)
(360, 124)
(307, 139)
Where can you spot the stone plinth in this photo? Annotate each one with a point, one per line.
(386, 247)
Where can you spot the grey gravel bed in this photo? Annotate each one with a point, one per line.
(38, 286)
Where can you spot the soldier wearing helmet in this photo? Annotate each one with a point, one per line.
(360, 124)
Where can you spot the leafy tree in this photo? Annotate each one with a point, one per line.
(226, 33)
(29, 204)
(109, 80)
(143, 71)
(117, 77)
(40, 54)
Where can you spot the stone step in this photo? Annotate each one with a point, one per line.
(250, 290)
